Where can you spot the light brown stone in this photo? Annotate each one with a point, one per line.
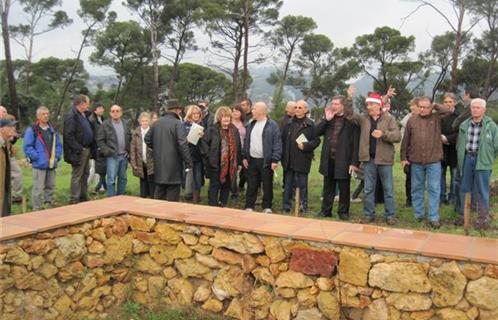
(259, 297)
(409, 301)
(451, 314)
(202, 294)
(263, 261)
(181, 291)
(87, 284)
(325, 284)
(208, 261)
(191, 268)
(163, 254)
(377, 310)
(155, 286)
(241, 243)
(64, 306)
(488, 315)
(472, 271)
(264, 275)
(202, 249)
(309, 314)
(422, 315)
(96, 247)
(230, 282)
(120, 227)
(213, 305)
(38, 247)
(399, 277)
(306, 298)
(148, 237)
(139, 247)
(354, 265)
(275, 251)
(189, 239)
(72, 247)
(169, 273)
(167, 233)
(48, 270)
(140, 224)
(448, 284)
(146, 264)
(483, 293)
(17, 256)
(237, 311)
(328, 305)
(473, 313)
(248, 263)
(182, 251)
(93, 261)
(286, 292)
(281, 310)
(491, 271)
(227, 256)
(291, 279)
(140, 284)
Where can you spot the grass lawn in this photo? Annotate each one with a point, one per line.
(404, 215)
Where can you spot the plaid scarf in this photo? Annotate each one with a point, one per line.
(228, 156)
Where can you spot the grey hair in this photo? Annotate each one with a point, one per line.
(450, 95)
(41, 109)
(479, 101)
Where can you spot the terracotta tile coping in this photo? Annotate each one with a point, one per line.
(364, 236)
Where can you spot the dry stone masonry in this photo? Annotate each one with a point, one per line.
(89, 270)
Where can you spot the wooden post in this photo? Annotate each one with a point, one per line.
(297, 203)
(24, 204)
(466, 213)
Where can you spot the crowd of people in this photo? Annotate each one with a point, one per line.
(239, 148)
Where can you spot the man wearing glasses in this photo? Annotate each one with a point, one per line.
(113, 142)
(421, 148)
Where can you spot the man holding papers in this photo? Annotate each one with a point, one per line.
(298, 142)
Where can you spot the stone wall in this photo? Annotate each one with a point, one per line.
(89, 270)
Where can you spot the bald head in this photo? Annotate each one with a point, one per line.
(289, 108)
(3, 112)
(259, 111)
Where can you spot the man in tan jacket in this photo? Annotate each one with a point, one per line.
(379, 132)
(7, 132)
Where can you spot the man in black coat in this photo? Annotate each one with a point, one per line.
(449, 138)
(298, 142)
(79, 142)
(96, 119)
(339, 156)
(169, 146)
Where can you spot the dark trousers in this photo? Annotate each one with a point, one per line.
(242, 178)
(79, 178)
(358, 190)
(329, 186)
(218, 192)
(293, 180)
(147, 184)
(168, 192)
(257, 173)
(408, 184)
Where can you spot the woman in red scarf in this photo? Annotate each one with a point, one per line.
(221, 150)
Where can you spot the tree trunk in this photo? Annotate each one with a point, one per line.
(28, 65)
(73, 71)
(235, 74)
(245, 73)
(155, 54)
(14, 104)
(457, 48)
(176, 63)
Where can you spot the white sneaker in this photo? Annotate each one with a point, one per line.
(249, 210)
(356, 200)
(267, 210)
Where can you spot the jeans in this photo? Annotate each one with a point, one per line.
(79, 178)
(451, 195)
(476, 182)
(385, 173)
(116, 169)
(43, 187)
(218, 192)
(257, 173)
(294, 180)
(422, 173)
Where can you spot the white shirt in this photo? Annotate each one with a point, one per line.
(144, 146)
(256, 147)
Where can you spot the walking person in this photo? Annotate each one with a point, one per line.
(7, 133)
(141, 158)
(261, 154)
(422, 149)
(339, 156)
(79, 140)
(43, 148)
(170, 151)
(196, 178)
(98, 161)
(299, 140)
(477, 149)
(113, 142)
(221, 148)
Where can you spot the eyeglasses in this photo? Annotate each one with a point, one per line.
(424, 107)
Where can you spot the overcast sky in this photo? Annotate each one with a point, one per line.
(340, 20)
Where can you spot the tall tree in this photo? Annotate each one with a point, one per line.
(94, 14)
(229, 24)
(125, 47)
(384, 56)
(4, 12)
(36, 14)
(180, 17)
(456, 23)
(150, 11)
(285, 39)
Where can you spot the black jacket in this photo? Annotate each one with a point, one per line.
(346, 150)
(100, 166)
(195, 152)
(301, 159)
(272, 143)
(169, 146)
(449, 150)
(107, 140)
(73, 135)
(210, 146)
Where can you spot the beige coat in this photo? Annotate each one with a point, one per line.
(136, 157)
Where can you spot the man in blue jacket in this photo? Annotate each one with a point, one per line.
(43, 147)
(261, 154)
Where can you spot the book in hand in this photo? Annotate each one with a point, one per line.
(301, 138)
(194, 133)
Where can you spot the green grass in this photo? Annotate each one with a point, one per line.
(404, 215)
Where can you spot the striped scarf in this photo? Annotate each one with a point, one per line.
(228, 156)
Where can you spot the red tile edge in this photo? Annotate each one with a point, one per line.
(297, 228)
